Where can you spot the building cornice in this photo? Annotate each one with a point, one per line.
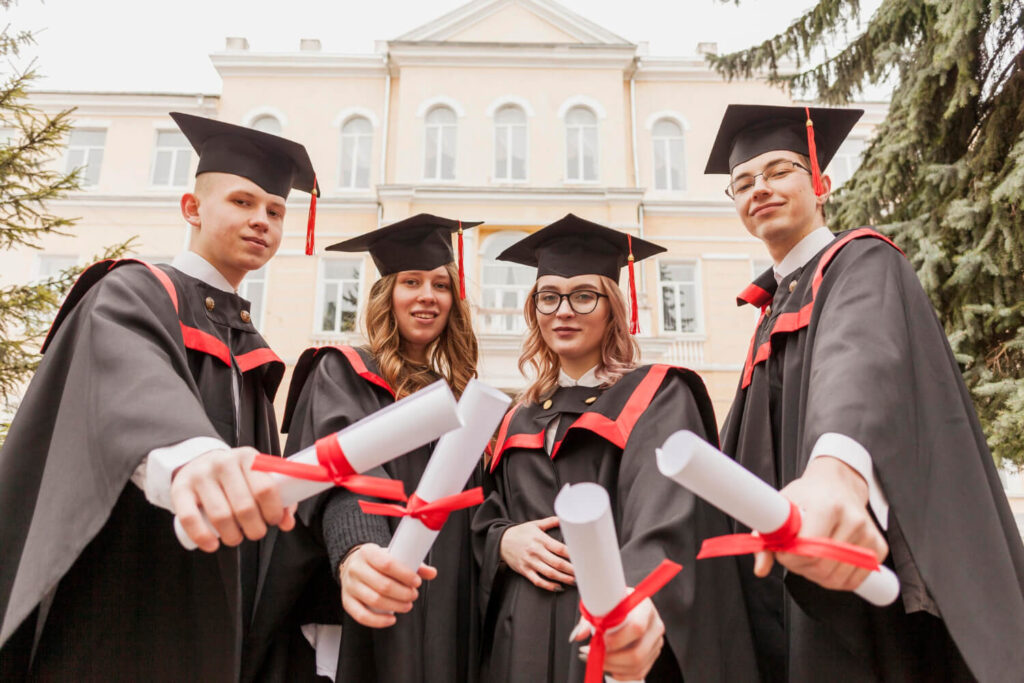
(93, 104)
(242, 63)
(688, 207)
(172, 200)
(513, 195)
(519, 55)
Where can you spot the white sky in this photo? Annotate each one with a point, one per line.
(150, 46)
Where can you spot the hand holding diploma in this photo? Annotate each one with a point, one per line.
(339, 459)
(375, 585)
(693, 463)
(627, 632)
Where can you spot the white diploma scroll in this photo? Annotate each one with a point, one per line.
(376, 439)
(585, 518)
(700, 467)
(456, 454)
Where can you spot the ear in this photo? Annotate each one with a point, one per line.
(826, 182)
(190, 209)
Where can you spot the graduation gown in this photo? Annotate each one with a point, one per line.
(139, 357)
(332, 387)
(611, 441)
(851, 344)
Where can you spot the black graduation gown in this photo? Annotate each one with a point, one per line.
(332, 387)
(526, 629)
(856, 348)
(134, 361)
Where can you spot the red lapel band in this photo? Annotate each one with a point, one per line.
(785, 540)
(432, 514)
(653, 583)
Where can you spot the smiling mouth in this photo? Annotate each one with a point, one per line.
(566, 329)
(765, 207)
(255, 240)
(423, 315)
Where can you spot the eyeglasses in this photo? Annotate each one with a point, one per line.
(772, 173)
(581, 301)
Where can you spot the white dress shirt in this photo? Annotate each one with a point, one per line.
(840, 446)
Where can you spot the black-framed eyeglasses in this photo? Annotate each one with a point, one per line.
(771, 173)
(581, 301)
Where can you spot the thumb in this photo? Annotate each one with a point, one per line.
(547, 523)
(763, 562)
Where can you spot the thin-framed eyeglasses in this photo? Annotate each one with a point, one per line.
(581, 301)
(771, 173)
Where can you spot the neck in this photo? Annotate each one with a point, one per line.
(233, 276)
(783, 244)
(417, 353)
(577, 367)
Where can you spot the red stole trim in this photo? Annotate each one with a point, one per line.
(791, 322)
(356, 361)
(254, 359)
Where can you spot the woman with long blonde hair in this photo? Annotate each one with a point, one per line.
(592, 414)
(396, 625)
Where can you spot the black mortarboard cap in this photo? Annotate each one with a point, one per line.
(748, 130)
(574, 246)
(420, 242)
(274, 163)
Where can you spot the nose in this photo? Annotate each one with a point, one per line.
(761, 187)
(260, 219)
(564, 310)
(425, 293)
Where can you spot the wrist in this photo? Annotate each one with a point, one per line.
(835, 475)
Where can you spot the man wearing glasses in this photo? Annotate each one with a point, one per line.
(851, 402)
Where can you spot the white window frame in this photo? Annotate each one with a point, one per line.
(698, 295)
(665, 142)
(40, 258)
(454, 128)
(518, 321)
(260, 305)
(89, 150)
(849, 160)
(320, 300)
(342, 135)
(597, 147)
(507, 130)
(174, 161)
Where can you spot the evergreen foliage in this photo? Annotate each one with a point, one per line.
(944, 174)
(29, 142)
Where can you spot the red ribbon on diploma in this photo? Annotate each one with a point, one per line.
(333, 467)
(651, 584)
(785, 540)
(432, 514)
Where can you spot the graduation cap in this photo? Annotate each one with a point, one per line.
(574, 246)
(420, 242)
(274, 163)
(748, 130)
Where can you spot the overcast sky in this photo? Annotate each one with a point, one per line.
(153, 46)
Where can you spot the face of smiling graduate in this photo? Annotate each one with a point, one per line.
(236, 224)
(421, 302)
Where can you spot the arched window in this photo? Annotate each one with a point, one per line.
(503, 287)
(439, 143)
(356, 144)
(580, 145)
(510, 143)
(669, 159)
(266, 123)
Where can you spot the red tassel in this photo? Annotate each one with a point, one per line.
(462, 272)
(812, 152)
(311, 222)
(634, 322)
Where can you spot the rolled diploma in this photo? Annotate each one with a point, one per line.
(456, 454)
(695, 464)
(585, 518)
(374, 440)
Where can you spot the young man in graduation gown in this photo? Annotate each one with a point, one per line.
(593, 415)
(153, 395)
(394, 625)
(852, 403)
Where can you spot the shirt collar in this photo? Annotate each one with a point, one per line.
(589, 379)
(803, 252)
(194, 265)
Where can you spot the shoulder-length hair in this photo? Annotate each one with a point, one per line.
(619, 350)
(452, 356)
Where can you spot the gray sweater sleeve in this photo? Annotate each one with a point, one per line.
(345, 526)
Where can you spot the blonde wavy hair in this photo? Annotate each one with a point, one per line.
(619, 350)
(452, 356)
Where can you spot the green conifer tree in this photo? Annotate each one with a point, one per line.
(944, 174)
